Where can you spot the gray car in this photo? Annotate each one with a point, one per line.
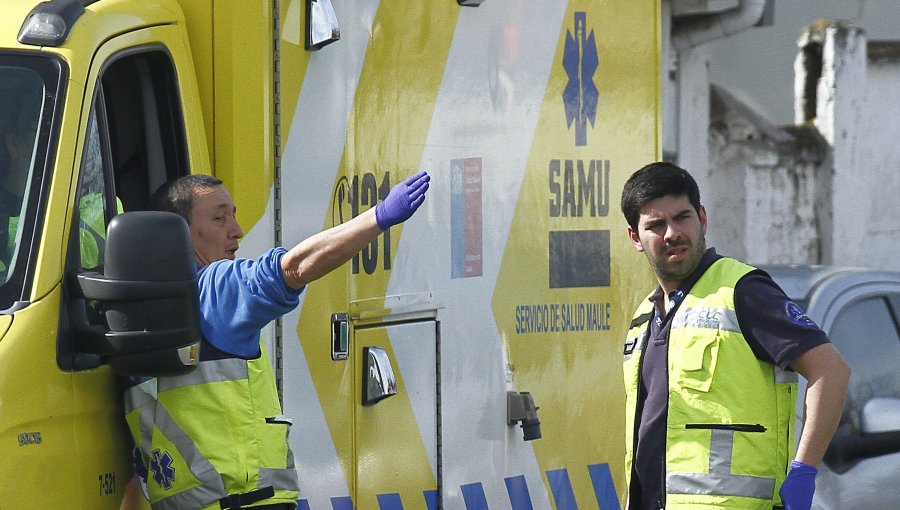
(860, 311)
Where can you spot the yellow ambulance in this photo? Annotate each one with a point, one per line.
(468, 360)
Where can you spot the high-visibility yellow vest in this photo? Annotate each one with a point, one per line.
(730, 424)
(92, 229)
(213, 433)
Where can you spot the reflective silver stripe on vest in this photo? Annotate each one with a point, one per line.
(197, 497)
(785, 376)
(220, 370)
(284, 479)
(719, 481)
(706, 318)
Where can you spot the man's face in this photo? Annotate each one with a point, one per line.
(214, 229)
(671, 234)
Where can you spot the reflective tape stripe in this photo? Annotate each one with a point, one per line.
(197, 497)
(136, 396)
(206, 372)
(719, 481)
(785, 376)
(284, 479)
(706, 318)
(220, 370)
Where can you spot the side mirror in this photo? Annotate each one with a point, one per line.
(879, 423)
(880, 415)
(148, 294)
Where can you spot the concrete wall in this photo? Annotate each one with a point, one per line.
(878, 203)
(768, 184)
(823, 190)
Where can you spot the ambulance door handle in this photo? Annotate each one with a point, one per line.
(378, 376)
(340, 336)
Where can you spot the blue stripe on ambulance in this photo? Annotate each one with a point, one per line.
(518, 493)
(519, 498)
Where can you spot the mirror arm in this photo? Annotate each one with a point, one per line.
(848, 448)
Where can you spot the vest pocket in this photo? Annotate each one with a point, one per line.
(274, 449)
(737, 427)
(693, 363)
(730, 464)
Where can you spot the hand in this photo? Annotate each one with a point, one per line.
(402, 201)
(798, 488)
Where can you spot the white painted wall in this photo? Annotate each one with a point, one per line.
(840, 100)
(769, 202)
(878, 202)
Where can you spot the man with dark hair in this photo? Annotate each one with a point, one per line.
(178, 196)
(710, 368)
(215, 438)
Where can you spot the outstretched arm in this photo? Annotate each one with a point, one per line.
(318, 255)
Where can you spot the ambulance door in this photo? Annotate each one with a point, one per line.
(397, 418)
(135, 136)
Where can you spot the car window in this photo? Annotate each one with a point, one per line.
(30, 99)
(134, 141)
(866, 334)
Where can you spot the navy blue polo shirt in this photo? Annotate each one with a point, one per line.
(775, 329)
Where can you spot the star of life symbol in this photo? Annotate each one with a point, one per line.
(580, 61)
(161, 465)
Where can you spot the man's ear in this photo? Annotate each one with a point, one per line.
(703, 219)
(635, 240)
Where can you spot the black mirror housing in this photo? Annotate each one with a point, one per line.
(148, 294)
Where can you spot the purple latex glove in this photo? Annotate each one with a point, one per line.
(798, 488)
(402, 201)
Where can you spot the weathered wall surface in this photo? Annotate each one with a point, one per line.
(765, 186)
(878, 204)
(825, 189)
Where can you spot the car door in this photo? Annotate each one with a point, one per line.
(859, 471)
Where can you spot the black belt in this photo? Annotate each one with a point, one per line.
(236, 501)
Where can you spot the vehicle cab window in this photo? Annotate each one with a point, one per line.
(93, 200)
(30, 91)
(134, 142)
(866, 333)
(19, 118)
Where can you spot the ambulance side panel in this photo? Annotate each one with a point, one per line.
(515, 276)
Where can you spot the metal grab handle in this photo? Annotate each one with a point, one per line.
(378, 376)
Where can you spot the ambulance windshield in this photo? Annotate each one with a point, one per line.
(27, 87)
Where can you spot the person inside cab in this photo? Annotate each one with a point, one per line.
(19, 115)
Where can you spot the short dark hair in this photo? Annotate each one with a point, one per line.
(653, 181)
(178, 196)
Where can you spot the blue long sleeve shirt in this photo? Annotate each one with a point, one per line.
(239, 297)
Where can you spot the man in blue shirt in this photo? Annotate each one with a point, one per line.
(215, 438)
